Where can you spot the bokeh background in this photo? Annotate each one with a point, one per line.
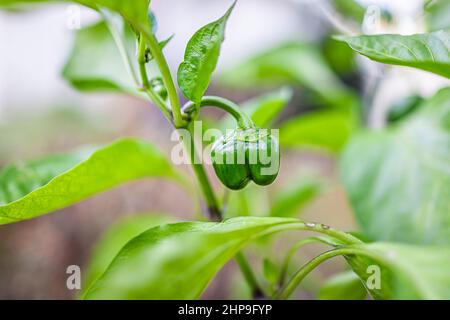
(40, 114)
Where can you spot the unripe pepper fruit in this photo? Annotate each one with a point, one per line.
(244, 155)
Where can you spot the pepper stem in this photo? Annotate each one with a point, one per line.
(243, 120)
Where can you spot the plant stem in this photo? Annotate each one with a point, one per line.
(214, 211)
(243, 120)
(249, 276)
(146, 84)
(167, 78)
(287, 290)
(293, 250)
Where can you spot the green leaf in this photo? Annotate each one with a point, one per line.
(271, 271)
(115, 238)
(263, 109)
(326, 130)
(134, 11)
(429, 51)
(95, 62)
(351, 9)
(177, 261)
(28, 190)
(295, 196)
(398, 179)
(438, 14)
(298, 64)
(200, 58)
(343, 286)
(407, 271)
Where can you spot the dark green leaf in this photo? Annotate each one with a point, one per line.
(429, 51)
(398, 179)
(31, 189)
(200, 58)
(343, 286)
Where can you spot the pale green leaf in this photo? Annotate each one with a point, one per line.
(406, 271)
(134, 11)
(115, 238)
(263, 109)
(343, 286)
(95, 62)
(398, 179)
(298, 64)
(438, 14)
(429, 51)
(34, 188)
(326, 130)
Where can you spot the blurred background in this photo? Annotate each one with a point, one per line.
(40, 113)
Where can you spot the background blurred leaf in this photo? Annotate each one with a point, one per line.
(343, 286)
(438, 14)
(430, 51)
(339, 56)
(327, 130)
(95, 62)
(177, 261)
(271, 272)
(263, 109)
(398, 179)
(298, 64)
(31, 189)
(134, 11)
(290, 199)
(115, 238)
(407, 271)
(200, 58)
(350, 9)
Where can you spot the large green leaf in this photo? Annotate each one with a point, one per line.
(115, 238)
(429, 51)
(293, 63)
(406, 271)
(96, 63)
(177, 261)
(200, 58)
(31, 189)
(398, 179)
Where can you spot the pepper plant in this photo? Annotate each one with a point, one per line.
(397, 179)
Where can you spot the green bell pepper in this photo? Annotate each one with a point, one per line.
(244, 155)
